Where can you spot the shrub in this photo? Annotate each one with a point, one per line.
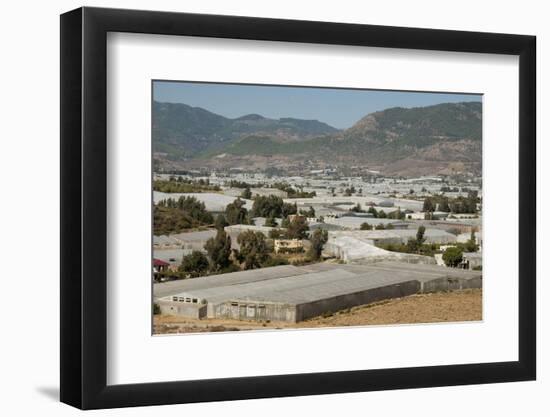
(156, 309)
(275, 261)
(194, 264)
(452, 256)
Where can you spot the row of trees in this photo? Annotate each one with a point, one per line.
(293, 192)
(272, 206)
(182, 185)
(455, 205)
(380, 226)
(174, 216)
(379, 214)
(254, 252)
(452, 256)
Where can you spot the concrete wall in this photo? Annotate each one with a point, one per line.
(318, 308)
(450, 284)
(252, 310)
(193, 311)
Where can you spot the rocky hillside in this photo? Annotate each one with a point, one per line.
(182, 131)
(398, 140)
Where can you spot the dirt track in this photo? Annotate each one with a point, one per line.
(420, 308)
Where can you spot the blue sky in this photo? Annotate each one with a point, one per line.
(340, 108)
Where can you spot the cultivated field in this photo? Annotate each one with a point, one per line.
(453, 306)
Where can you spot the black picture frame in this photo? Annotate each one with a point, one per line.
(84, 207)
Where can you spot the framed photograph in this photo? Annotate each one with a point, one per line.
(260, 208)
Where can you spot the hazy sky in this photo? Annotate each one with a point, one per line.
(337, 107)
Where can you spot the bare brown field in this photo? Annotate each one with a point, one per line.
(443, 307)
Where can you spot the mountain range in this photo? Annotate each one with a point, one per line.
(397, 140)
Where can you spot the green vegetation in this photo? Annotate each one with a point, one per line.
(418, 246)
(447, 189)
(455, 205)
(452, 256)
(219, 251)
(349, 191)
(471, 245)
(308, 213)
(318, 239)
(194, 265)
(414, 245)
(276, 234)
(174, 216)
(220, 222)
(274, 261)
(235, 213)
(373, 211)
(181, 185)
(357, 209)
(156, 309)
(428, 205)
(240, 184)
(254, 250)
(247, 194)
(270, 222)
(292, 192)
(272, 206)
(297, 228)
(397, 214)
(366, 226)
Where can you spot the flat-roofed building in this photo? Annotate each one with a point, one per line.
(288, 245)
(472, 260)
(289, 293)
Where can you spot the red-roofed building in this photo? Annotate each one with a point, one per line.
(159, 265)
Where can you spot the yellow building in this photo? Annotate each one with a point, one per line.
(288, 245)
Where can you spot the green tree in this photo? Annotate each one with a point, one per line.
(219, 250)
(420, 239)
(471, 245)
(156, 309)
(247, 193)
(452, 256)
(275, 234)
(308, 213)
(194, 264)
(270, 206)
(235, 213)
(254, 250)
(220, 222)
(288, 209)
(373, 211)
(412, 245)
(444, 205)
(357, 208)
(270, 222)
(318, 239)
(428, 205)
(297, 228)
(366, 226)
